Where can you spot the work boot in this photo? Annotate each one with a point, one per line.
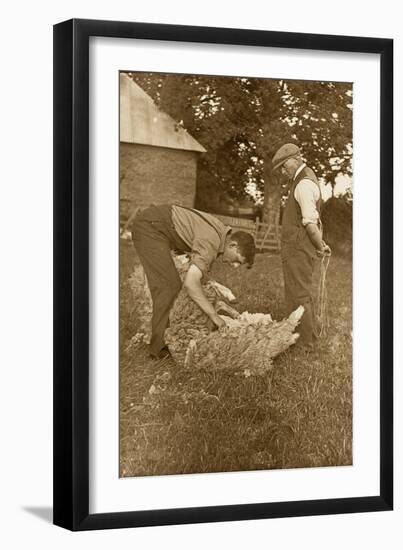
(162, 354)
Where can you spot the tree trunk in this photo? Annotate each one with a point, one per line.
(271, 205)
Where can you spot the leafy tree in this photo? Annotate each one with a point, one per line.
(242, 121)
(337, 218)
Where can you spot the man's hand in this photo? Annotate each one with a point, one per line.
(194, 288)
(218, 322)
(325, 251)
(315, 236)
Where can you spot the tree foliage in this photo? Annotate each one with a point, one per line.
(337, 218)
(242, 121)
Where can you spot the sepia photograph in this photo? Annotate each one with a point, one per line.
(236, 288)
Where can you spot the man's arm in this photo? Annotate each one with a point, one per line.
(193, 286)
(316, 239)
(306, 194)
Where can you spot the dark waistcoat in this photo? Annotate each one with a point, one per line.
(293, 233)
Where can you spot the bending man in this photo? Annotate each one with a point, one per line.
(158, 230)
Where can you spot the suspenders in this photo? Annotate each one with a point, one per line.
(200, 216)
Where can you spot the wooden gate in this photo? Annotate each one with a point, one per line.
(267, 236)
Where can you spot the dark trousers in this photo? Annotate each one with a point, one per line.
(154, 237)
(298, 267)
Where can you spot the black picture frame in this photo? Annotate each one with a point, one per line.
(71, 274)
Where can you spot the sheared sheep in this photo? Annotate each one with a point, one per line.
(187, 321)
(248, 343)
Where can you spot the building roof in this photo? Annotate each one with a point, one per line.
(141, 121)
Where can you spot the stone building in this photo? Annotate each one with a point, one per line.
(158, 158)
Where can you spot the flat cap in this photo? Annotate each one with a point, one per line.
(284, 153)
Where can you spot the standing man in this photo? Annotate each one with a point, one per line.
(301, 235)
(158, 230)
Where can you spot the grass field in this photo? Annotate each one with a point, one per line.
(298, 415)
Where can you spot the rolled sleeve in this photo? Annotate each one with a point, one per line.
(307, 195)
(204, 251)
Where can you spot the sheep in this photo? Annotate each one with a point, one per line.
(184, 307)
(247, 344)
(187, 321)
